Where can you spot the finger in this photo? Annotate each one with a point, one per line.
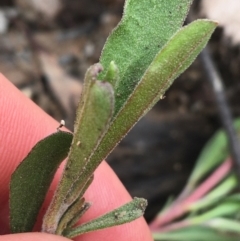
(22, 124)
(31, 237)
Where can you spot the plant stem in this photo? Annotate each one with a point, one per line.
(223, 107)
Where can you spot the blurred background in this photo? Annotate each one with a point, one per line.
(46, 47)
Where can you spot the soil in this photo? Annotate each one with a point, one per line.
(156, 158)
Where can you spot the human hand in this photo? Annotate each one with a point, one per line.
(22, 125)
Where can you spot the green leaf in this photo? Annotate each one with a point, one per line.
(112, 75)
(77, 190)
(72, 215)
(93, 117)
(210, 157)
(124, 214)
(218, 193)
(145, 28)
(223, 209)
(32, 178)
(223, 224)
(76, 209)
(195, 234)
(171, 61)
(233, 198)
(78, 215)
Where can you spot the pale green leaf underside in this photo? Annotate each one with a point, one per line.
(124, 214)
(145, 28)
(32, 178)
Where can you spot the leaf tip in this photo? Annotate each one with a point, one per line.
(96, 69)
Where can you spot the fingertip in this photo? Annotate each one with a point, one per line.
(22, 124)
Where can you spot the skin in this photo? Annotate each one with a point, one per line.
(22, 124)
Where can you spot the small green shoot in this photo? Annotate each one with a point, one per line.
(140, 60)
